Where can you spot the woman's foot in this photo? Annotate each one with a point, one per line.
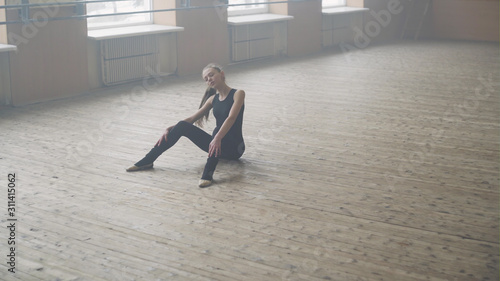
(204, 183)
(140, 168)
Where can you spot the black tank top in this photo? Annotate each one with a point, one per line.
(221, 112)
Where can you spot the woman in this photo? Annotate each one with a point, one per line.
(226, 140)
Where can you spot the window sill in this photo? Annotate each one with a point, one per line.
(257, 18)
(7, 48)
(343, 10)
(119, 32)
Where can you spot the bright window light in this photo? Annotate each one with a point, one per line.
(119, 7)
(334, 3)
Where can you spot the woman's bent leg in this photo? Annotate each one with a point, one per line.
(199, 137)
(229, 151)
(209, 170)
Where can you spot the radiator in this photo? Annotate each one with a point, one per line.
(255, 41)
(128, 59)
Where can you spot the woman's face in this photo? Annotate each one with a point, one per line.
(213, 77)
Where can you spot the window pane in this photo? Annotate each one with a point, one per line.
(332, 3)
(118, 7)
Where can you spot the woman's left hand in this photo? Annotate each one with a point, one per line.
(215, 148)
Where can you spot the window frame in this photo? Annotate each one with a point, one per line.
(235, 11)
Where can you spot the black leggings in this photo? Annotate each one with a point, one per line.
(230, 149)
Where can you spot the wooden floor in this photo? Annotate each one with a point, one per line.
(377, 164)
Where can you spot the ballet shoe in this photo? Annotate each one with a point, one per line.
(204, 183)
(135, 168)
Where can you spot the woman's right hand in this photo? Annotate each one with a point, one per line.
(164, 136)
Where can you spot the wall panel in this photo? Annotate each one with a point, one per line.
(304, 31)
(205, 38)
(384, 15)
(51, 61)
(466, 19)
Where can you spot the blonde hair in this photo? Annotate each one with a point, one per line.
(208, 93)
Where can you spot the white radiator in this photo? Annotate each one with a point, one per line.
(260, 40)
(128, 59)
(340, 28)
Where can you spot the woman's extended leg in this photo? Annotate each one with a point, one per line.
(199, 137)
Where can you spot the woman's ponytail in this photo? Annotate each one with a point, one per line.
(208, 93)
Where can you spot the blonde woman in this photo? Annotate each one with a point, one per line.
(226, 141)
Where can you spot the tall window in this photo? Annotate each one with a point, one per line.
(250, 7)
(334, 3)
(119, 7)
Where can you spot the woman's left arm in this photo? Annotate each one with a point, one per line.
(215, 145)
